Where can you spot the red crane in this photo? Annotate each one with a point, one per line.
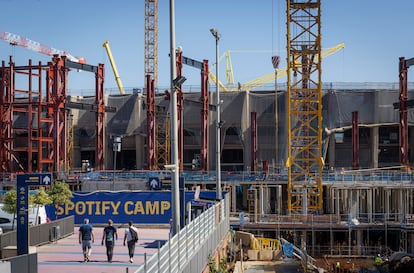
(15, 39)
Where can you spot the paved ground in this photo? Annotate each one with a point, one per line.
(66, 255)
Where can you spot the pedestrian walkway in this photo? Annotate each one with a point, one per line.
(66, 255)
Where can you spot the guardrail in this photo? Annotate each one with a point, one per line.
(402, 220)
(197, 176)
(328, 176)
(188, 251)
(41, 234)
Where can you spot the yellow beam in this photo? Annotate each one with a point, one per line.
(111, 59)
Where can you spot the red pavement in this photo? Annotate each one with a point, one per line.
(65, 256)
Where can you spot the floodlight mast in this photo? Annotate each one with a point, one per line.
(216, 35)
(175, 228)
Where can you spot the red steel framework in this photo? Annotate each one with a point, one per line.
(151, 164)
(151, 120)
(100, 117)
(33, 117)
(204, 116)
(403, 99)
(203, 66)
(180, 97)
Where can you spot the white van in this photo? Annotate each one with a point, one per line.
(6, 219)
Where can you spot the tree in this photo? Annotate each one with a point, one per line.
(60, 193)
(41, 198)
(9, 201)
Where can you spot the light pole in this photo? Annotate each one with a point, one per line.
(116, 148)
(174, 129)
(218, 121)
(275, 62)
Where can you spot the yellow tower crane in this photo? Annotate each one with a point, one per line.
(111, 59)
(304, 97)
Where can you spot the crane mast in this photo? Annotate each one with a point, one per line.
(15, 39)
(304, 96)
(151, 40)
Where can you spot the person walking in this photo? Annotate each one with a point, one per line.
(109, 236)
(131, 237)
(86, 238)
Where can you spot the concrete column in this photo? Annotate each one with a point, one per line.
(331, 197)
(337, 210)
(357, 203)
(233, 198)
(245, 197)
(139, 151)
(359, 242)
(410, 144)
(265, 207)
(278, 200)
(401, 207)
(369, 204)
(374, 147)
(247, 132)
(262, 200)
(353, 204)
(331, 150)
(411, 242)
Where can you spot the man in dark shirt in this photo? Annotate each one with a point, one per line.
(86, 238)
(109, 236)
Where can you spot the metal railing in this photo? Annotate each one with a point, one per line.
(41, 234)
(189, 250)
(247, 176)
(403, 220)
(328, 176)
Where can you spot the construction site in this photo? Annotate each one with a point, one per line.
(326, 166)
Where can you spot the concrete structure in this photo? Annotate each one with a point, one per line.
(378, 129)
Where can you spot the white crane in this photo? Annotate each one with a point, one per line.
(15, 39)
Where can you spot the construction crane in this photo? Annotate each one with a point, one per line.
(304, 107)
(229, 65)
(15, 39)
(282, 72)
(151, 40)
(111, 59)
(262, 80)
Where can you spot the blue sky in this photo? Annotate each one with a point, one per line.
(375, 33)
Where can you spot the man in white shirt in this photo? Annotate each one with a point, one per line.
(131, 238)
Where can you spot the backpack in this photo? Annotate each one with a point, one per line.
(109, 235)
(134, 234)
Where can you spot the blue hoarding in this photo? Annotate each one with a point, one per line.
(141, 207)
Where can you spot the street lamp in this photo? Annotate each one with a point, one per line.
(216, 35)
(275, 62)
(175, 208)
(116, 147)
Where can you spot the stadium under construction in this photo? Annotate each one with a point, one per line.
(326, 166)
(368, 193)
